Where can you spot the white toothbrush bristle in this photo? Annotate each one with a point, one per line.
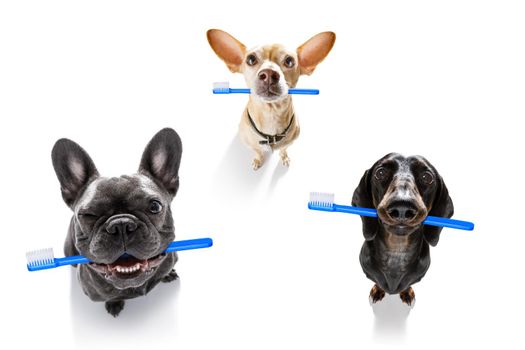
(40, 257)
(321, 199)
(223, 85)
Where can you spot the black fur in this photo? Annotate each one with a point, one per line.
(113, 217)
(395, 270)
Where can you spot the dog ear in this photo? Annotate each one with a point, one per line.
(229, 49)
(312, 52)
(363, 198)
(441, 206)
(161, 159)
(74, 169)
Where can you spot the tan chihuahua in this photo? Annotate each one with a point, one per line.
(269, 118)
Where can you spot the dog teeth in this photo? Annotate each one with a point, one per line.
(130, 269)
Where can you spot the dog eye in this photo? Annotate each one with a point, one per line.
(427, 178)
(251, 60)
(155, 207)
(86, 215)
(289, 62)
(381, 174)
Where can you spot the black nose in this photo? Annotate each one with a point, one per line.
(402, 211)
(121, 225)
(269, 76)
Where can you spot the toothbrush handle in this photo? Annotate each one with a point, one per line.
(173, 247)
(71, 260)
(230, 91)
(303, 91)
(239, 91)
(248, 91)
(430, 220)
(355, 210)
(189, 244)
(451, 223)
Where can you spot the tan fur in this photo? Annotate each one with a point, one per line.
(270, 116)
(410, 187)
(396, 243)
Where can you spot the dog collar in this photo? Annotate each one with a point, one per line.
(270, 139)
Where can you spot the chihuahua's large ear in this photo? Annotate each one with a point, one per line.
(312, 52)
(74, 169)
(229, 49)
(443, 207)
(161, 160)
(363, 198)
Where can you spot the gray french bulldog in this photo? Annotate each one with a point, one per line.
(122, 224)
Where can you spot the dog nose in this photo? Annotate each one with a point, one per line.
(121, 225)
(269, 76)
(402, 212)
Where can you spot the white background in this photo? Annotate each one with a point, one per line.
(444, 79)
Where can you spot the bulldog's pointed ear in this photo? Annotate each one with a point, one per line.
(363, 198)
(161, 160)
(74, 169)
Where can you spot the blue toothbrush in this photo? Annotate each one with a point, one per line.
(224, 89)
(43, 259)
(325, 202)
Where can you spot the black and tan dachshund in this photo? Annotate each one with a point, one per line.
(395, 254)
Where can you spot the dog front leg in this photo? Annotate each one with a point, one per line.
(408, 296)
(258, 160)
(376, 294)
(285, 160)
(114, 307)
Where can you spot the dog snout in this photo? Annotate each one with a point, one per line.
(269, 76)
(121, 225)
(402, 211)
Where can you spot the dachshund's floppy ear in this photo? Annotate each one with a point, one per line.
(443, 207)
(363, 198)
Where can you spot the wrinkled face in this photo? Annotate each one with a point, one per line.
(123, 225)
(403, 190)
(270, 71)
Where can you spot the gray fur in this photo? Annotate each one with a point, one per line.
(100, 204)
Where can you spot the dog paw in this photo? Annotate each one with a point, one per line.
(114, 307)
(256, 164)
(285, 160)
(376, 294)
(170, 277)
(408, 297)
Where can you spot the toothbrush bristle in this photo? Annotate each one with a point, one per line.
(40, 257)
(321, 199)
(224, 85)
